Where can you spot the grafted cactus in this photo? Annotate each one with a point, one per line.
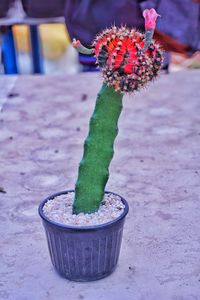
(128, 60)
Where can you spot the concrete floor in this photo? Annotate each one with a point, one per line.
(156, 168)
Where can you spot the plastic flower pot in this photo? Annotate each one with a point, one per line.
(4, 7)
(84, 253)
(44, 9)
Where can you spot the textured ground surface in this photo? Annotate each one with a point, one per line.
(156, 168)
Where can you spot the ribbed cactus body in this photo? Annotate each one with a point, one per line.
(98, 151)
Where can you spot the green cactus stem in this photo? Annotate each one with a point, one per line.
(148, 39)
(128, 60)
(98, 151)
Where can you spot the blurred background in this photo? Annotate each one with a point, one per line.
(35, 35)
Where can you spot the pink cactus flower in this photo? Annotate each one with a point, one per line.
(76, 43)
(150, 16)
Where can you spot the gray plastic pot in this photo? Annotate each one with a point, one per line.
(84, 253)
(44, 9)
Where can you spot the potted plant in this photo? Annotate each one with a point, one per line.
(84, 227)
(4, 7)
(44, 9)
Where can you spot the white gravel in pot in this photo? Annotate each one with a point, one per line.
(59, 210)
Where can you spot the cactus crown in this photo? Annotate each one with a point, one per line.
(124, 63)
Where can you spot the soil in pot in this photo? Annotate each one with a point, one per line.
(44, 9)
(79, 251)
(59, 210)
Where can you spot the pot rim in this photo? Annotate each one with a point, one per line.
(81, 228)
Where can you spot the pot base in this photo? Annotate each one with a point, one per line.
(86, 279)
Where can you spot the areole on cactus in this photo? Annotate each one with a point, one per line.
(129, 60)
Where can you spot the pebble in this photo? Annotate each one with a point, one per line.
(59, 210)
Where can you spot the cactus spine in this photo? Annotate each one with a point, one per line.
(98, 151)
